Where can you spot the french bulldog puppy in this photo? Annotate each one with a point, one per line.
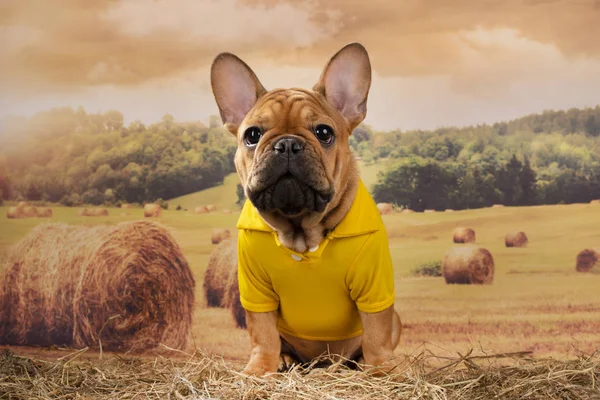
(314, 269)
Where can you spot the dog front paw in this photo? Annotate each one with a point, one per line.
(261, 366)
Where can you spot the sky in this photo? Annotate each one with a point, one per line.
(435, 62)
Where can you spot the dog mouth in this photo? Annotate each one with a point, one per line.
(291, 197)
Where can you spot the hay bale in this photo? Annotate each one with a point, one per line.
(127, 285)
(232, 300)
(516, 239)
(449, 210)
(226, 211)
(468, 265)
(201, 210)
(385, 208)
(407, 211)
(463, 235)
(23, 204)
(125, 214)
(152, 210)
(125, 205)
(221, 264)
(211, 208)
(429, 211)
(586, 259)
(498, 206)
(95, 212)
(595, 202)
(44, 212)
(219, 234)
(29, 212)
(14, 212)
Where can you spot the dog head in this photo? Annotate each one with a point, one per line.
(293, 157)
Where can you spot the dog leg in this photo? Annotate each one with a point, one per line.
(381, 335)
(265, 343)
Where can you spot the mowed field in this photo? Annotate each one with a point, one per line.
(536, 303)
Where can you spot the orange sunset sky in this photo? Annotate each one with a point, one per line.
(435, 63)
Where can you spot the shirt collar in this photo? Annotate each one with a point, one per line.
(362, 218)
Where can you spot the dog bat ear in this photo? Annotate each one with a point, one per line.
(345, 82)
(236, 89)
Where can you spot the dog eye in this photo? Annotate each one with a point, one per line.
(324, 133)
(251, 136)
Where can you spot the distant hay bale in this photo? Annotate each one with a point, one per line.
(29, 211)
(449, 210)
(516, 239)
(127, 287)
(125, 214)
(498, 206)
(219, 234)
(14, 212)
(152, 210)
(44, 212)
(211, 208)
(595, 202)
(221, 264)
(586, 259)
(82, 212)
(23, 204)
(125, 205)
(429, 211)
(201, 210)
(407, 211)
(463, 235)
(385, 208)
(226, 211)
(95, 212)
(232, 300)
(468, 265)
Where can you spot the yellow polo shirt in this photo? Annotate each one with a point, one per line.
(318, 294)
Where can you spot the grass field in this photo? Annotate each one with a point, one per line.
(537, 302)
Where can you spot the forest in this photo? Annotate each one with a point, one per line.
(73, 157)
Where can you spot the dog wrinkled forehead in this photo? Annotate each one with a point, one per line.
(288, 109)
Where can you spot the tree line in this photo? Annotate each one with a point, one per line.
(547, 158)
(75, 157)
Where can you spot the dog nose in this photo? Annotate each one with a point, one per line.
(288, 145)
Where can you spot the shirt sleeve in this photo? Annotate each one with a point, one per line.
(256, 290)
(371, 275)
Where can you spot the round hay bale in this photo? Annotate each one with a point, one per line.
(125, 214)
(29, 212)
(468, 265)
(44, 212)
(463, 235)
(516, 239)
(82, 212)
(152, 210)
(95, 212)
(226, 211)
(221, 264)
(232, 300)
(429, 211)
(125, 205)
(595, 202)
(219, 234)
(407, 211)
(385, 208)
(211, 208)
(201, 210)
(449, 210)
(14, 212)
(23, 204)
(586, 259)
(498, 206)
(126, 286)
